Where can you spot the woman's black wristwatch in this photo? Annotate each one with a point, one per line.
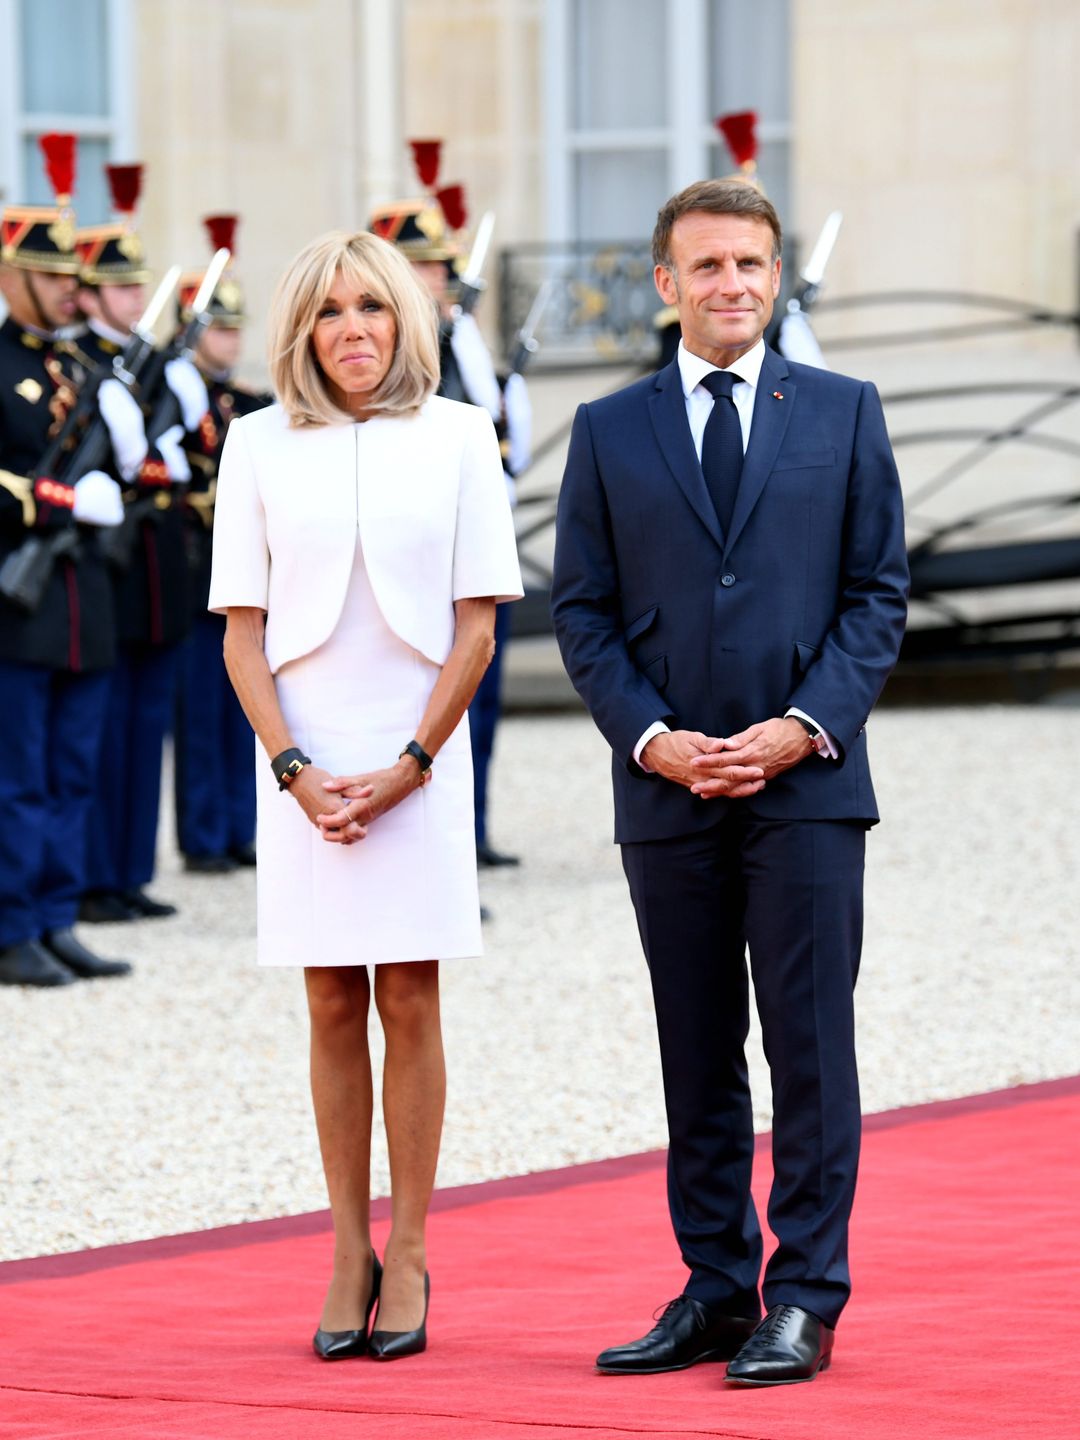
(287, 766)
(422, 758)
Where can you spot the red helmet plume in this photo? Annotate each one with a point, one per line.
(740, 132)
(59, 152)
(222, 231)
(125, 185)
(451, 200)
(426, 154)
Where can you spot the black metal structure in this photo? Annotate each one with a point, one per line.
(602, 302)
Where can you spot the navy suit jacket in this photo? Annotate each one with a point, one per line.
(660, 616)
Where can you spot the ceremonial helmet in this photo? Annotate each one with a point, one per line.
(113, 254)
(226, 306)
(425, 229)
(42, 237)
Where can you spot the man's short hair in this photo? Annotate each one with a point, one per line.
(715, 197)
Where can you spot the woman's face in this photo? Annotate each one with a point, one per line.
(354, 340)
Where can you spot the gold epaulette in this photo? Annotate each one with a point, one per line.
(22, 487)
(202, 502)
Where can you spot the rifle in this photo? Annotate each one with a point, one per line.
(811, 275)
(472, 282)
(25, 574)
(118, 543)
(527, 344)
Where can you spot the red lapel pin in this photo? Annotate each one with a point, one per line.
(776, 395)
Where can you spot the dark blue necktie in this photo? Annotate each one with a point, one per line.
(721, 446)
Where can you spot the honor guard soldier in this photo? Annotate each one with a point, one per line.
(149, 572)
(215, 745)
(425, 231)
(57, 635)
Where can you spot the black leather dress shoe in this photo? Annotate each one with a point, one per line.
(789, 1346)
(104, 907)
(347, 1344)
(396, 1344)
(63, 946)
(29, 964)
(210, 864)
(244, 854)
(144, 908)
(485, 855)
(685, 1334)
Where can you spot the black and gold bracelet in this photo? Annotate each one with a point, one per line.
(288, 765)
(422, 758)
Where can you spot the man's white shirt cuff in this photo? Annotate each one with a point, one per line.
(834, 753)
(656, 728)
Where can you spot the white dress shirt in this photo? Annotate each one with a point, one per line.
(699, 404)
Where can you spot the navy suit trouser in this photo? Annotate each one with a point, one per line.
(51, 724)
(123, 833)
(215, 749)
(791, 893)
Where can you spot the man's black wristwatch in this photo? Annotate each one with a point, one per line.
(422, 758)
(817, 739)
(288, 765)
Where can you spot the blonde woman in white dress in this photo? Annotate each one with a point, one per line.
(362, 540)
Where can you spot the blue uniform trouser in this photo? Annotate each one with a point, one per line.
(215, 750)
(123, 834)
(483, 717)
(51, 725)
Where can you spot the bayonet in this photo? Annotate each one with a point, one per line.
(527, 343)
(473, 283)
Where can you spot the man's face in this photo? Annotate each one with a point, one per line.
(434, 276)
(724, 284)
(117, 306)
(55, 297)
(219, 347)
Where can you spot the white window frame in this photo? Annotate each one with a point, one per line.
(686, 138)
(117, 126)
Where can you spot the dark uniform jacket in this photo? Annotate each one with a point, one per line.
(227, 400)
(153, 604)
(73, 629)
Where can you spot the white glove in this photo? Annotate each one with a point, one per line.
(474, 361)
(121, 413)
(171, 446)
(189, 387)
(97, 497)
(518, 423)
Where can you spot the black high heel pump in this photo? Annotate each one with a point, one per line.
(345, 1344)
(396, 1344)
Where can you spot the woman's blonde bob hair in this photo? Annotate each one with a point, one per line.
(378, 270)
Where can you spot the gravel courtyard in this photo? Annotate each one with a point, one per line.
(177, 1099)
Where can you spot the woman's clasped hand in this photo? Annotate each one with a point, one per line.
(363, 799)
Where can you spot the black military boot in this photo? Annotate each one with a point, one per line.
(71, 952)
(28, 963)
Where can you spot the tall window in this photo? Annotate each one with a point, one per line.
(632, 90)
(65, 65)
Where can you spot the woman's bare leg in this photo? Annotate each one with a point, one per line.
(338, 999)
(414, 1095)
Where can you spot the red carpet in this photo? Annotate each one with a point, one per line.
(965, 1321)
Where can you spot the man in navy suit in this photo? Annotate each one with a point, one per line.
(729, 597)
